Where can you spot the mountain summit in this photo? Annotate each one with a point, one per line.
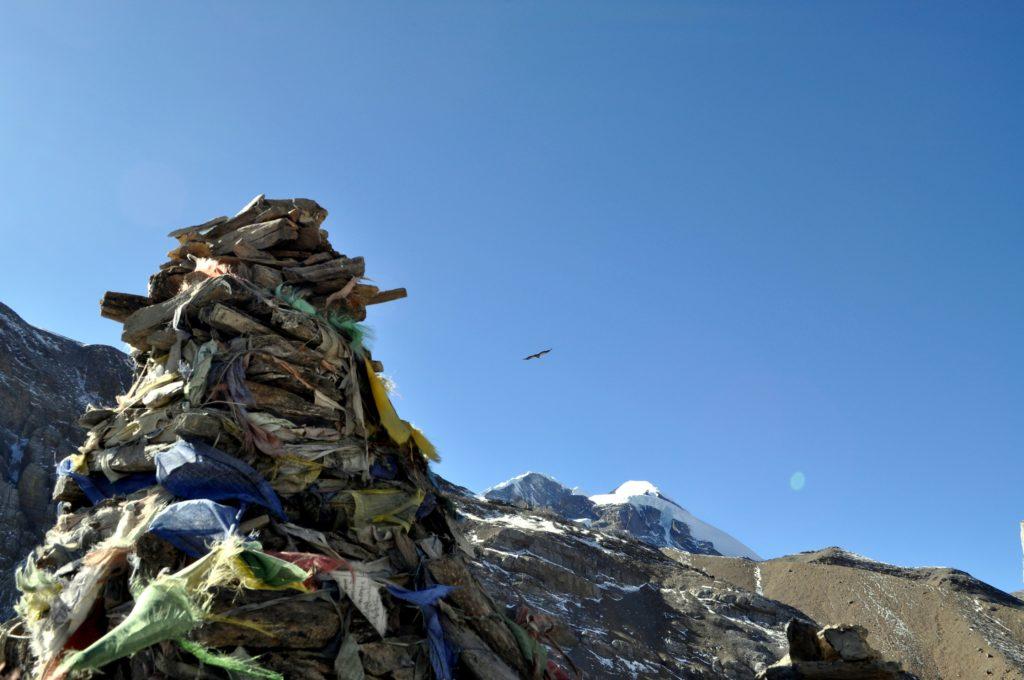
(537, 490)
(636, 508)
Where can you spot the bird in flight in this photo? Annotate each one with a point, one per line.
(538, 355)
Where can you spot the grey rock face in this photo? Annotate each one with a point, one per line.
(621, 608)
(647, 524)
(534, 490)
(46, 381)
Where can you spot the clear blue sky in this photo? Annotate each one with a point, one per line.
(761, 238)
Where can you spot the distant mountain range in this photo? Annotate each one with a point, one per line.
(636, 508)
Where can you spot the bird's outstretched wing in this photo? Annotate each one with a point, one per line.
(538, 355)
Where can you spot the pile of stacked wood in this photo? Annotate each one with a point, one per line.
(269, 242)
(250, 356)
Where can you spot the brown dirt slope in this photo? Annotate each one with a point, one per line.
(939, 622)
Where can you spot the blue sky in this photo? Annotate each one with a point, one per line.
(762, 238)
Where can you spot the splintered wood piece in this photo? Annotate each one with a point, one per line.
(231, 320)
(166, 283)
(162, 339)
(308, 239)
(287, 405)
(142, 322)
(266, 277)
(361, 293)
(340, 268)
(340, 294)
(245, 216)
(296, 378)
(388, 296)
(194, 248)
(246, 251)
(198, 229)
(317, 259)
(260, 236)
(302, 211)
(119, 306)
(277, 346)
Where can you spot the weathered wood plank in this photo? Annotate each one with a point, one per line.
(260, 236)
(142, 322)
(231, 320)
(119, 306)
(388, 296)
(340, 268)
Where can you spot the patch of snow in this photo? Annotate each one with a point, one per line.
(519, 522)
(758, 587)
(625, 491)
(618, 586)
(636, 666)
(607, 663)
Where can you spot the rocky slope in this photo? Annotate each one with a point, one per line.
(619, 607)
(637, 509)
(941, 623)
(727, 615)
(46, 380)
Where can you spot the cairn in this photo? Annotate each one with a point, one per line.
(254, 506)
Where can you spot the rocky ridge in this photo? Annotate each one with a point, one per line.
(937, 622)
(940, 622)
(46, 381)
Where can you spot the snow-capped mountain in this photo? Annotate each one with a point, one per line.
(636, 508)
(674, 522)
(536, 490)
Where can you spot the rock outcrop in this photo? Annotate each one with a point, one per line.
(832, 653)
(46, 381)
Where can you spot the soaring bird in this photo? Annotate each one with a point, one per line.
(538, 355)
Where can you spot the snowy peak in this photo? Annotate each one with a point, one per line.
(627, 490)
(641, 505)
(636, 488)
(637, 508)
(537, 490)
